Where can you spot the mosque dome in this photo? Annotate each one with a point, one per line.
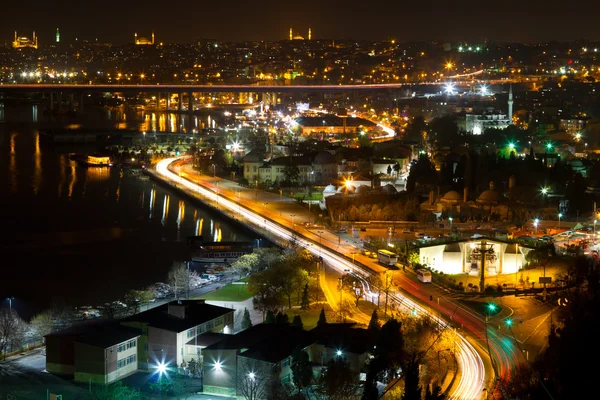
(490, 196)
(451, 196)
(330, 189)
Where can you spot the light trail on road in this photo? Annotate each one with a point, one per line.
(472, 374)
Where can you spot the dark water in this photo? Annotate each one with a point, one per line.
(84, 236)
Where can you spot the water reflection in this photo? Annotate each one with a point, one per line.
(180, 213)
(100, 174)
(62, 167)
(34, 113)
(162, 121)
(152, 198)
(37, 167)
(12, 167)
(73, 180)
(165, 214)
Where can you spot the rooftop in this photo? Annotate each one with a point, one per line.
(99, 333)
(195, 312)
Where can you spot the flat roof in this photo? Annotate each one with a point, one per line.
(101, 333)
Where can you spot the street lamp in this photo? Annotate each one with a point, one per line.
(292, 215)
(10, 299)
(265, 204)
(450, 219)
(559, 217)
(535, 224)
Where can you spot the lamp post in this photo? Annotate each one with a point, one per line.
(292, 216)
(320, 243)
(594, 237)
(10, 299)
(535, 224)
(450, 219)
(265, 204)
(559, 217)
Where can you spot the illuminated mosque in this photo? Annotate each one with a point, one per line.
(299, 37)
(142, 41)
(21, 42)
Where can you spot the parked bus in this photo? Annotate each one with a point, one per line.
(423, 275)
(387, 257)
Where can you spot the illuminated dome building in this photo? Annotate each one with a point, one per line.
(23, 42)
(299, 37)
(142, 41)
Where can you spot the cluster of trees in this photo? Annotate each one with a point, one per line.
(406, 357)
(560, 372)
(278, 277)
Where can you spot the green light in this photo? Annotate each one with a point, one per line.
(509, 322)
(549, 146)
(492, 307)
(414, 312)
(511, 145)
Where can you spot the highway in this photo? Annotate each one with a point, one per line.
(472, 378)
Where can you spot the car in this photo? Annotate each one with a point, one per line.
(405, 231)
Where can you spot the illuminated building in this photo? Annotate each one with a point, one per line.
(142, 41)
(298, 37)
(22, 42)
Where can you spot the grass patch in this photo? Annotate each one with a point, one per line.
(310, 317)
(228, 293)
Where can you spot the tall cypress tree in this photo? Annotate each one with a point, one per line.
(305, 302)
(322, 319)
(246, 321)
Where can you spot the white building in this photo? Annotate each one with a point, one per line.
(464, 257)
(476, 124)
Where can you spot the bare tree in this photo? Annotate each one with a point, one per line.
(12, 330)
(253, 378)
(178, 278)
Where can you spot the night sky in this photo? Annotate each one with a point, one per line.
(233, 20)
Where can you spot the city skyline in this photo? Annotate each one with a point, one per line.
(237, 21)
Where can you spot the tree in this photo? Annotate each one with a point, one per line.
(246, 263)
(267, 296)
(282, 319)
(301, 369)
(12, 330)
(339, 382)
(374, 323)
(434, 393)
(297, 322)
(322, 319)
(267, 256)
(162, 386)
(354, 286)
(304, 305)
(270, 319)
(253, 379)
(178, 278)
(135, 298)
(42, 324)
(412, 388)
(291, 174)
(246, 321)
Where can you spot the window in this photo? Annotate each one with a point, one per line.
(191, 333)
(209, 325)
(219, 321)
(129, 345)
(126, 361)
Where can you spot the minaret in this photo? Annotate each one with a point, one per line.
(135, 38)
(152, 37)
(291, 35)
(510, 104)
(309, 33)
(57, 36)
